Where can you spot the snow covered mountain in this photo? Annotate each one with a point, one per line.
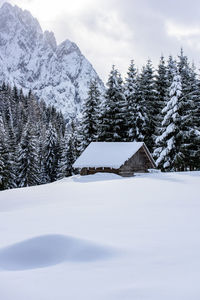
(31, 59)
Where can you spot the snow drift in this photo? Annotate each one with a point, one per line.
(48, 250)
(101, 237)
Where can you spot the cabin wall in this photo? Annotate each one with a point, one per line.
(90, 171)
(138, 163)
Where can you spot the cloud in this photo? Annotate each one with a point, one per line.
(187, 35)
(2, 1)
(161, 27)
(116, 31)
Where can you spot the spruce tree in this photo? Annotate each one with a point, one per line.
(73, 148)
(161, 85)
(89, 122)
(2, 156)
(140, 112)
(169, 151)
(61, 167)
(190, 96)
(170, 69)
(11, 144)
(130, 93)
(70, 158)
(28, 158)
(2, 166)
(51, 154)
(41, 134)
(192, 138)
(113, 127)
(147, 95)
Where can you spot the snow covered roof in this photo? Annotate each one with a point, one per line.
(107, 154)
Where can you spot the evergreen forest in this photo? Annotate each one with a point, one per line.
(158, 106)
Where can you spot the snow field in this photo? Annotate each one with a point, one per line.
(102, 237)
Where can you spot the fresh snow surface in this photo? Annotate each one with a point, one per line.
(102, 237)
(105, 154)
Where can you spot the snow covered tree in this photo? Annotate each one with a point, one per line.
(130, 93)
(41, 134)
(113, 126)
(28, 159)
(11, 145)
(2, 166)
(61, 166)
(147, 100)
(161, 85)
(170, 69)
(73, 147)
(70, 156)
(169, 152)
(24, 140)
(185, 73)
(51, 154)
(2, 156)
(140, 113)
(192, 106)
(190, 99)
(89, 122)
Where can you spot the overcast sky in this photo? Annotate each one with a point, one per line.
(116, 31)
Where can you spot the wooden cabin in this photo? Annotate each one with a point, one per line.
(122, 158)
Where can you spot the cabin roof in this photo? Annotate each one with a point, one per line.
(107, 154)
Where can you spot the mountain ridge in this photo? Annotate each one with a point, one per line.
(31, 59)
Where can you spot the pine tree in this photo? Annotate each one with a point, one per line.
(197, 126)
(10, 142)
(113, 127)
(147, 96)
(70, 156)
(61, 167)
(190, 96)
(51, 154)
(2, 166)
(192, 139)
(140, 112)
(169, 153)
(28, 158)
(161, 85)
(73, 148)
(89, 122)
(130, 93)
(41, 134)
(170, 69)
(2, 156)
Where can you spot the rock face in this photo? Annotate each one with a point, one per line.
(31, 59)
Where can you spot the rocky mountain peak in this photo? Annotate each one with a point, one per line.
(49, 37)
(31, 59)
(13, 15)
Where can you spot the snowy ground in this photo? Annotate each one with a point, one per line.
(102, 237)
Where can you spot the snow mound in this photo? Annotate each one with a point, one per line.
(95, 177)
(48, 250)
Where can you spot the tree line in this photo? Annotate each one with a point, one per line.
(160, 107)
(33, 143)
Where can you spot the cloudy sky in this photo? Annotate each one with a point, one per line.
(116, 31)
